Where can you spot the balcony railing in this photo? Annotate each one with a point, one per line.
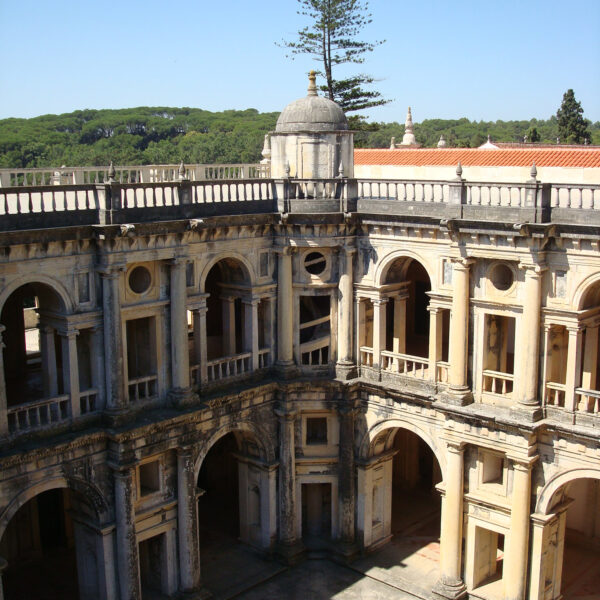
(264, 358)
(587, 401)
(554, 394)
(366, 356)
(499, 384)
(143, 388)
(443, 372)
(88, 401)
(229, 366)
(38, 414)
(404, 364)
(316, 352)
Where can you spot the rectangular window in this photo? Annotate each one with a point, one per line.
(149, 476)
(316, 430)
(315, 329)
(83, 284)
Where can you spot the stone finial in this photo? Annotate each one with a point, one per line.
(489, 139)
(533, 171)
(459, 170)
(525, 139)
(266, 151)
(112, 174)
(558, 140)
(312, 86)
(181, 171)
(442, 143)
(408, 139)
(287, 168)
(393, 143)
(341, 169)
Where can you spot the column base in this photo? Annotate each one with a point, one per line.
(458, 396)
(286, 370)
(346, 552)
(180, 397)
(450, 590)
(199, 594)
(526, 412)
(292, 553)
(116, 417)
(346, 371)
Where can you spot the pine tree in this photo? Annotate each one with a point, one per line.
(572, 127)
(332, 40)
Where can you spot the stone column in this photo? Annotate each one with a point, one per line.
(530, 342)
(3, 414)
(435, 340)
(116, 400)
(400, 323)
(450, 584)
(289, 546)
(516, 555)
(70, 369)
(459, 327)
(187, 522)
(379, 329)
(229, 333)
(96, 362)
(48, 351)
(345, 368)
(285, 315)
(180, 361)
(200, 339)
(346, 478)
(127, 546)
(250, 333)
(573, 375)
(590, 357)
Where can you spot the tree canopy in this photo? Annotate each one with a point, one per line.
(332, 39)
(160, 135)
(572, 127)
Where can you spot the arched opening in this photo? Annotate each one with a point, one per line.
(403, 508)
(572, 542)
(237, 339)
(50, 373)
(235, 514)
(48, 536)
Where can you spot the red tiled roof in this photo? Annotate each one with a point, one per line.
(503, 157)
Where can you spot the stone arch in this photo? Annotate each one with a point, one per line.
(400, 423)
(89, 491)
(246, 265)
(382, 268)
(583, 289)
(260, 436)
(54, 284)
(559, 480)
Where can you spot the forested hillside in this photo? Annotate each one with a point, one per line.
(162, 135)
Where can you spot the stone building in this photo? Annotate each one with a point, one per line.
(298, 360)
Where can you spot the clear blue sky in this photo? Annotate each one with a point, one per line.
(481, 59)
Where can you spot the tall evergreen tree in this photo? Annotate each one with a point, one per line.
(332, 39)
(572, 127)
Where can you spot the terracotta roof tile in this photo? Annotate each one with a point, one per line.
(503, 157)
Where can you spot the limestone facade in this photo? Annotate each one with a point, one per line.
(334, 359)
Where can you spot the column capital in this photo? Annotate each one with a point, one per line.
(461, 262)
(533, 270)
(522, 464)
(68, 332)
(380, 301)
(286, 413)
(111, 271)
(178, 261)
(346, 410)
(455, 446)
(286, 250)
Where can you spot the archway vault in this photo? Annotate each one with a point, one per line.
(557, 481)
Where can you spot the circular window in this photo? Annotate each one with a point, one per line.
(315, 263)
(140, 280)
(502, 277)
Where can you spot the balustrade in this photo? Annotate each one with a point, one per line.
(39, 414)
(404, 364)
(587, 401)
(88, 401)
(229, 366)
(442, 371)
(315, 353)
(500, 384)
(366, 356)
(554, 394)
(143, 388)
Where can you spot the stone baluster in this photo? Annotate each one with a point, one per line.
(515, 556)
(528, 403)
(127, 545)
(201, 338)
(459, 326)
(250, 333)
(3, 409)
(379, 329)
(450, 584)
(229, 333)
(400, 323)
(116, 400)
(345, 363)
(70, 369)
(288, 541)
(187, 526)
